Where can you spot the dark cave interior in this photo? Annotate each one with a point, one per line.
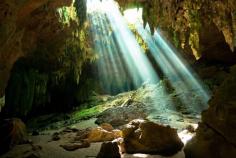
(117, 78)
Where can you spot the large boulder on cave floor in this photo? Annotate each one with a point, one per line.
(141, 136)
(121, 115)
(12, 132)
(216, 136)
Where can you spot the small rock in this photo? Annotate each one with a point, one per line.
(75, 146)
(106, 126)
(33, 155)
(190, 128)
(180, 120)
(36, 147)
(55, 136)
(70, 129)
(109, 150)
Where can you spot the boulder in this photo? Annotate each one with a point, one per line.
(121, 115)
(208, 144)
(106, 126)
(109, 150)
(13, 132)
(99, 135)
(141, 136)
(215, 137)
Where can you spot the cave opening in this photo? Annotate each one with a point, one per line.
(116, 78)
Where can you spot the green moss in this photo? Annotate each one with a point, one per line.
(87, 113)
(139, 39)
(176, 39)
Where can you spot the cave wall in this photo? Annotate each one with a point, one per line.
(194, 26)
(207, 30)
(28, 27)
(215, 135)
(24, 24)
(44, 45)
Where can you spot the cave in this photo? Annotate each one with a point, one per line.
(117, 79)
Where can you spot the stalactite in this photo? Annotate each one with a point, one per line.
(187, 16)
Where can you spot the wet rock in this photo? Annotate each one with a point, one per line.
(13, 132)
(109, 150)
(147, 137)
(75, 146)
(121, 115)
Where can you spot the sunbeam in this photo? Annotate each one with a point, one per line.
(118, 47)
(123, 65)
(181, 76)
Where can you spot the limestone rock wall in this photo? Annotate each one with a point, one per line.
(29, 25)
(186, 22)
(216, 134)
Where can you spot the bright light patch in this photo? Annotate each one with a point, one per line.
(100, 6)
(185, 135)
(133, 16)
(140, 155)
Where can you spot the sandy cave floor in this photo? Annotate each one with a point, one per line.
(43, 147)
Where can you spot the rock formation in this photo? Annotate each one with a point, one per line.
(216, 133)
(147, 137)
(13, 132)
(190, 25)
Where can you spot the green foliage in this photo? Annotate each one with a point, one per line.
(67, 15)
(77, 46)
(51, 73)
(195, 25)
(86, 113)
(139, 39)
(176, 39)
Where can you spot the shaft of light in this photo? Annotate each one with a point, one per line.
(136, 62)
(173, 67)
